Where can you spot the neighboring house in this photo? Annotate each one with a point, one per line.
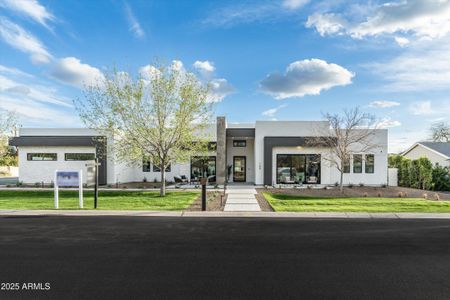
(437, 152)
(266, 152)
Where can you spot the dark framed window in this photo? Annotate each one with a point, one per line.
(146, 165)
(79, 156)
(357, 163)
(158, 169)
(239, 143)
(203, 166)
(347, 166)
(298, 168)
(42, 156)
(370, 163)
(212, 146)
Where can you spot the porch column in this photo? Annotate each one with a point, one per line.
(221, 158)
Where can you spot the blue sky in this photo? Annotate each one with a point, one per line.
(283, 60)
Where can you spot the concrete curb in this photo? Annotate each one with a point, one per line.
(224, 214)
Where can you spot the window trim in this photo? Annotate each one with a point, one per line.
(78, 153)
(236, 143)
(29, 156)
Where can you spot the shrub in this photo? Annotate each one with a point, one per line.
(145, 179)
(380, 194)
(400, 194)
(441, 178)
(425, 196)
(336, 184)
(365, 195)
(437, 197)
(361, 184)
(350, 185)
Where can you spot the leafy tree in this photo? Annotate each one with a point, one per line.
(8, 124)
(440, 132)
(160, 116)
(425, 173)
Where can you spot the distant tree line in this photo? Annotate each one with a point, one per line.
(420, 173)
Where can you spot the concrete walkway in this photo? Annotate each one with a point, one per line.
(241, 198)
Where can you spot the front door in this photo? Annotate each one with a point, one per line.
(239, 169)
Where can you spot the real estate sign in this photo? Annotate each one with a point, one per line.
(68, 179)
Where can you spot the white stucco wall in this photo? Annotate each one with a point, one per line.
(32, 172)
(247, 151)
(420, 151)
(330, 174)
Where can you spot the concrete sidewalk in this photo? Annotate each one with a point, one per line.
(225, 214)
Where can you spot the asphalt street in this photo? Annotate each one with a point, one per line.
(223, 258)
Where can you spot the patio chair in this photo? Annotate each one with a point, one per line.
(184, 179)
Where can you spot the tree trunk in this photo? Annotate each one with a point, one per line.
(162, 190)
(341, 184)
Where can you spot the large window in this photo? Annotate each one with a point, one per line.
(347, 166)
(79, 156)
(146, 166)
(357, 163)
(370, 163)
(203, 166)
(240, 143)
(298, 168)
(42, 156)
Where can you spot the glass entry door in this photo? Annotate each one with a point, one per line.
(239, 169)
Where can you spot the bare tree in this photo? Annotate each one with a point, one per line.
(440, 132)
(349, 133)
(159, 116)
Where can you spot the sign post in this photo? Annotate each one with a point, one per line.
(69, 179)
(203, 181)
(95, 165)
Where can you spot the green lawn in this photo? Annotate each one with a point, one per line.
(299, 203)
(113, 200)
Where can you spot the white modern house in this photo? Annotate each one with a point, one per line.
(262, 153)
(437, 152)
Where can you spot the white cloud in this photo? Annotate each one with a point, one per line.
(70, 70)
(420, 18)
(387, 123)
(29, 8)
(423, 18)
(17, 37)
(326, 24)
(205, 68)
(401, 41)
(219, 89)
(134, 25)
(383, 104)
(306, 77)
(246, 13)
(36, 102)
(272, 111)
(421, 67)
(294, 4)
(421, 108)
